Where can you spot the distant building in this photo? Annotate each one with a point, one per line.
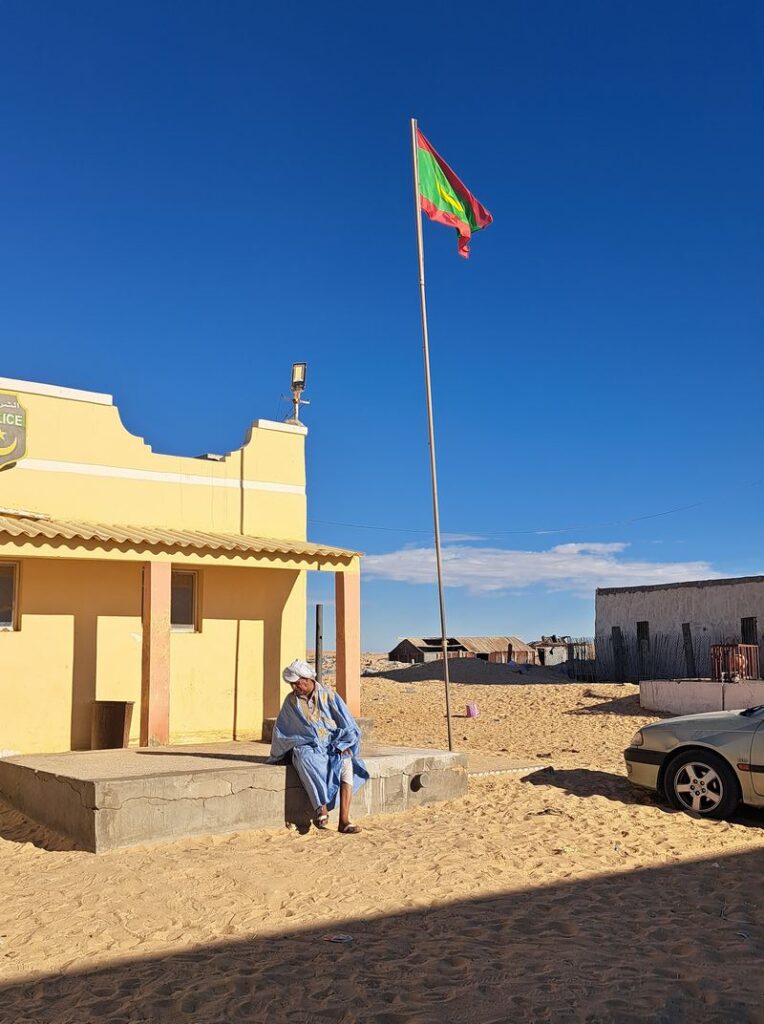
(551, 650)
(667, 630)
(488, 648)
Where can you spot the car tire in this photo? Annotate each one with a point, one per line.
(702, 783)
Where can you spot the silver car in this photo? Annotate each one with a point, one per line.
(704, 764)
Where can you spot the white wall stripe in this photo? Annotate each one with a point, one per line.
(120, 472)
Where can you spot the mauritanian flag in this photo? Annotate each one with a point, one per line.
(446, 199)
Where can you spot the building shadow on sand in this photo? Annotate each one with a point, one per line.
(627, 705)
(669, 944)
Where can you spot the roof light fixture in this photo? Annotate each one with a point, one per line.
(299, 374)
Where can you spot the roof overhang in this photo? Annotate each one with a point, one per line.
(40, 537)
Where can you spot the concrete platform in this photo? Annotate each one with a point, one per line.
(105, 799)
(681, 696)
(693, 696)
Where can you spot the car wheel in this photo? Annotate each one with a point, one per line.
(701, 782)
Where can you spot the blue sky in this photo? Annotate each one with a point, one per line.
(195, 195)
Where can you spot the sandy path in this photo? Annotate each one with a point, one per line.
(566, 897)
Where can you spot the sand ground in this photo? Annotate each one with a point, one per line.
(563, 897)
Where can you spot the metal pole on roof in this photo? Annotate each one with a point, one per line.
(431, 426)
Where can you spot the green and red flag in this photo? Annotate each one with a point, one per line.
(446, 199)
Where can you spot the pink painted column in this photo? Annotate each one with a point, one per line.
(347, 591)
(155, 665)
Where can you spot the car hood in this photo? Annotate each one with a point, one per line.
(712, 725)
(708, 720)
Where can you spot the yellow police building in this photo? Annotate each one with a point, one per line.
(177, 583)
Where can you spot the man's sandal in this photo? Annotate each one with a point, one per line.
(322, 821)
(349, 830)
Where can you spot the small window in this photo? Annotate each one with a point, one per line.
(183, 601)
(8, 574)
(643, 634)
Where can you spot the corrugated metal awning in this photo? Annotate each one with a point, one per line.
(133, 538)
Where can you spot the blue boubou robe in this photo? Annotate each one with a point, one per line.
(313, 748)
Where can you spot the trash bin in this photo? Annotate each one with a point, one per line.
(110, 725)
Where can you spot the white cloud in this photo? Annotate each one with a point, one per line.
(573, 567)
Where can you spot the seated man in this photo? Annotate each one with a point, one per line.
(316, 730)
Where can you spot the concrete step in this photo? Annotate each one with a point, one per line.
(104, 799)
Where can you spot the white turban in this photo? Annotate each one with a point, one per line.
(298, 670)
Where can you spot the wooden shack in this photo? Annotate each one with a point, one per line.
(551, 650)
(501, 649)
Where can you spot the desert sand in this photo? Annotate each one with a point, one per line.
(560, 896)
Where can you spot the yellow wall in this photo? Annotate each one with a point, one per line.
(81, 463)
(80, 640)
(240, 650)
(78, 621)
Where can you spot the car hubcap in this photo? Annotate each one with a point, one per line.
(698, 787)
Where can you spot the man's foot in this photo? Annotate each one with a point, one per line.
(349, 829)
(321, 819)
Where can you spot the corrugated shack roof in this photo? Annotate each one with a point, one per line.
(428, 643)
(551, 641)
(473, 644)
(492, 644)
(142, 537)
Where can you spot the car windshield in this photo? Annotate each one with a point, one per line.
(758, 709)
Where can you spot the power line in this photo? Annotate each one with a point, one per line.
(479, 535)
(365, 526)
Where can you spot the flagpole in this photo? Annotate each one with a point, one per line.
(430, 426)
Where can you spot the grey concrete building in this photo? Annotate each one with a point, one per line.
(666, 631)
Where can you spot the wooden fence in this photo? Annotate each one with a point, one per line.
(619, 657)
